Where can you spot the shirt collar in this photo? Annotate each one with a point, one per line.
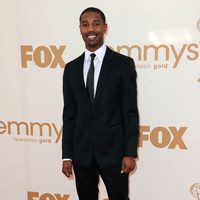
(100, 53)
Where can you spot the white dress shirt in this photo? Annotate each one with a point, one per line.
(98, 60)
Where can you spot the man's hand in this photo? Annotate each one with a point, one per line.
(67, 168)
(128, 164)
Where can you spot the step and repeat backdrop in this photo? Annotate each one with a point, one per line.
(37, 38)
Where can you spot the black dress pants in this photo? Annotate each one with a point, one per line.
(87, 180)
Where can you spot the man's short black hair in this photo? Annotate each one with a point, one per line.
(96, 10)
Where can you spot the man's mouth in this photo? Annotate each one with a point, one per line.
(92, 37)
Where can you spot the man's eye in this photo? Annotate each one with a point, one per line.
(84, 25)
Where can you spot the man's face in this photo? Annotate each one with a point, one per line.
(92, 29)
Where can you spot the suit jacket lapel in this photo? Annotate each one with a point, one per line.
(80, 79)
(105, 71)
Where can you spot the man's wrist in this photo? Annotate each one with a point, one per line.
(66, 159)
(134, 158)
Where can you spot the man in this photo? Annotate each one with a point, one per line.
(100, 116)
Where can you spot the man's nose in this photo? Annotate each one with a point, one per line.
(91, 28)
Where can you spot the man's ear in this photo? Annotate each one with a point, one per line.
(105, 27)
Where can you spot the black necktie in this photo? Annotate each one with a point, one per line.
(90, 79)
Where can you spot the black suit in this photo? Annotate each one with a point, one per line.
(108, 131)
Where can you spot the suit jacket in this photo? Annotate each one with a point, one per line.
(109, 129)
